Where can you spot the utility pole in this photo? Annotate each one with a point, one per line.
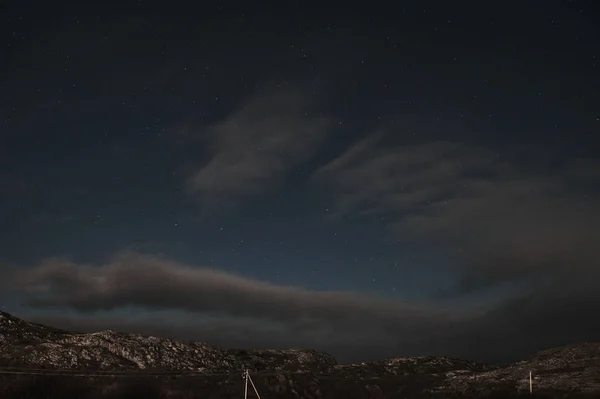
(246, 379)
(530, 384)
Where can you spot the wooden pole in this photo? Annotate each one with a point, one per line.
(530, 384)
(254, 386)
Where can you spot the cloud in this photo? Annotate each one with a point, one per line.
(147, 294)
(504, 216)
(158, 284)
(256, 146)
(516, 218)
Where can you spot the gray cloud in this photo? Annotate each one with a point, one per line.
(256, 146)
(152, 295)
(157, 284)
(505, 219)
(510, 217)
(508, 332)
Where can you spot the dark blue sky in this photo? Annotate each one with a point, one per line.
(371, 181)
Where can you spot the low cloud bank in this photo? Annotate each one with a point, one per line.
(234, 311)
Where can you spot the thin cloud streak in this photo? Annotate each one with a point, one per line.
(256, 146)
(502, 220)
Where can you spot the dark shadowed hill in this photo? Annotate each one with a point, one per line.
(40, 361)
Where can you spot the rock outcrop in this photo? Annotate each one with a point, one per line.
(570, 369)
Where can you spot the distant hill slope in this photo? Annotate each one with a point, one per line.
(572, 370)
(34, 345)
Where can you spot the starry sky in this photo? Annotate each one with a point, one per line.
(416, 178)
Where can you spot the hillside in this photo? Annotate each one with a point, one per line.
(111, 364)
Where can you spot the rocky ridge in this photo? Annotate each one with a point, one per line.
(207, 371)
(570, 369)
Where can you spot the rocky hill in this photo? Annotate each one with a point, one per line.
(34, 345)
(41, 361)
(570, 369)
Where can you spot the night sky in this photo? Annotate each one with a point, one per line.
(420, 178)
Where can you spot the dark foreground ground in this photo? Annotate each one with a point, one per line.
(24, 387)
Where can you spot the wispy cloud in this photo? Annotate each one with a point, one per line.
(515, 216)
(256, 146)
(505, 216)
